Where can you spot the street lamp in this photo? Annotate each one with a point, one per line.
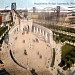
(6, 7)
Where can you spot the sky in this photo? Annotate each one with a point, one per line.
(35, 3)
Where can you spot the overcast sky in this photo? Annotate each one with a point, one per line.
(32, 3)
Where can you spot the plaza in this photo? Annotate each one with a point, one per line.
(29, 51)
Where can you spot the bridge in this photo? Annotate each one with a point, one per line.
(50, 9)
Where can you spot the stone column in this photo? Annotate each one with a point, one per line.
(51, 36)
(40, 30)
(46, 38)
(34, 29)
(37, 30)
(8, 26)
(29, 23)
(51, 40)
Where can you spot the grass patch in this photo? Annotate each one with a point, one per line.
(56, 39)
(68, 56)
(66, 49)
(53, 59)
(2, 30)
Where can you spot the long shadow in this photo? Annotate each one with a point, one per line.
(15, 60)
(53, 59)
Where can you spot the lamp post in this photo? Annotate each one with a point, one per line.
(6, 7)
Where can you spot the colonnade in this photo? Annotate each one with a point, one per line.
(44, 32)
(37, 29)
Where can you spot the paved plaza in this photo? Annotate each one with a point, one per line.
(30, 51)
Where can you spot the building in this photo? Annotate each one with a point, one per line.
(71, 17)
(58, 12)
(34, 9)
(4, 14)
(13, 6)
(15, 17)
(0, 19)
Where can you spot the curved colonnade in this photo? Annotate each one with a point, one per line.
(45, 33)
